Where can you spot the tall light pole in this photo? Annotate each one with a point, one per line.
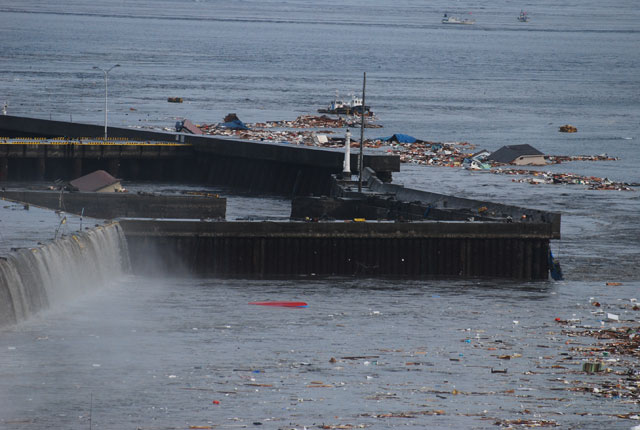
(106, 79)
(361, 155)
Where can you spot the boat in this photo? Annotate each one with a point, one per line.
(448, 19)
(523, 17)
(476, 165)
(340, 107)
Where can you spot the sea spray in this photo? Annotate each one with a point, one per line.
(33, 279)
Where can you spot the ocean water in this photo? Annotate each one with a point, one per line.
(157, 353)
(494, 83)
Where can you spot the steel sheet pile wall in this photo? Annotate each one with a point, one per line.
(260, 176)
(272, 250)
(249, 165)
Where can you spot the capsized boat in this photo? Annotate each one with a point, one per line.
(448, 19)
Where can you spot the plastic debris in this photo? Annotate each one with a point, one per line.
(592, 367)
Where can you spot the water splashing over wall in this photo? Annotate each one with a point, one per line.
(33, 279)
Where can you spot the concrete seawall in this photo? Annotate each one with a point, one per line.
(450, 236)
(117, 205)
(249, 165)
(290, 249)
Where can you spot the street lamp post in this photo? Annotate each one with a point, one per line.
(106, 79)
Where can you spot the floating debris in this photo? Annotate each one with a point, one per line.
(592, 182)
(304, 130)
(557, 159)
(527, 423)
(568, 129)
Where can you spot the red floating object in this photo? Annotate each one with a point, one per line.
(281, 304)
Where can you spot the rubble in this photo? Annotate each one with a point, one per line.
(526, 423)
(615, 358)
(323, 121)
(558, 159)
(449, 154)
(288, 131)
(304, 130)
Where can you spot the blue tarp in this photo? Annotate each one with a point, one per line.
(235, 125)
(400, 138)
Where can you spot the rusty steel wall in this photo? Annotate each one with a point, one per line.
(284, 257)
(264, 176)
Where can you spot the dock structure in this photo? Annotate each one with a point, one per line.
(369, 233)
(385, 230)
(124, 205)
(63, 158)
(135, 154)
(357, 249)
(383, 201)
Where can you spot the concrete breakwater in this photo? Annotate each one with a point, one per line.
(382, 201)
(115, 205)
(247, 165)
(450, 236)
(31, 279)
(291, 249)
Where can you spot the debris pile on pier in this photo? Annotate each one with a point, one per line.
(449, 154)
(288, 131)
(323, 121)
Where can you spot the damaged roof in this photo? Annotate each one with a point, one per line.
(508, 153)
(94, 181)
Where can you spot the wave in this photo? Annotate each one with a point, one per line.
(32, 279)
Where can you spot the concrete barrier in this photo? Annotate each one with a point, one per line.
(118, 205)
(292, 249)
(256, 166)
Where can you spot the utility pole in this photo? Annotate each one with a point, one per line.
(361, 157)
(106, 94)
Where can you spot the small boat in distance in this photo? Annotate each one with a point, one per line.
(448, 19)
(523, 17)
(339, 107)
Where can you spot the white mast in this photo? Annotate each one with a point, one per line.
(346, 165)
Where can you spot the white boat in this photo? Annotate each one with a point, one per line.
(448, 19)
(353, 106)
(523, 17)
